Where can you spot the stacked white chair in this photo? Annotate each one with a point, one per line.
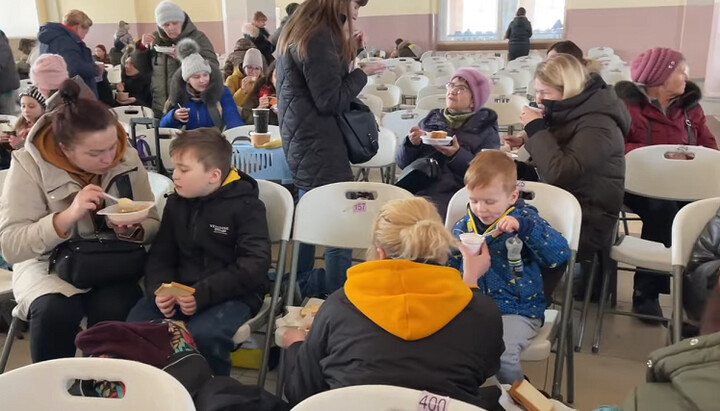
(374, 102)
(508, 109)
(432, 90)
(389, 93)
(502, 85)
(612, 76)
(410, 85)
(426, 55)
(431, 102)
(521, 78)
(599, 51)
(400, 121)
(461, 61)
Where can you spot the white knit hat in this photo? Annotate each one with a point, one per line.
(167, 12)
(253, 57)
(191, 60)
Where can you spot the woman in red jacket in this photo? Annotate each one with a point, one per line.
(665, 109)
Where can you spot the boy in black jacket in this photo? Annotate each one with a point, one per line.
(213, 237)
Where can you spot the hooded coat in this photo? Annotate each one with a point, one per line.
(9, 78)
(701, 275)
(578, 146)
(518, 34)
(651, 126)
(235, 59)
(259, 37)
(56, 38)
(163, 66)
(216, 107)
(402, 323)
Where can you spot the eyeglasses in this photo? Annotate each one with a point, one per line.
(456, 88)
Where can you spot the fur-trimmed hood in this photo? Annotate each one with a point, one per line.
(211, 96)
(633, 94)
(251, 30)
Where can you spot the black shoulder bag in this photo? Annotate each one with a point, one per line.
(360, 131)
(103, 260)
(419, 174)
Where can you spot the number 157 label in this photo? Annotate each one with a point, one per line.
(432, 402)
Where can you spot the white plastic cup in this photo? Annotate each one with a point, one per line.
(472, 241)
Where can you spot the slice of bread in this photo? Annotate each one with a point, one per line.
(174, 289)
(529, 397)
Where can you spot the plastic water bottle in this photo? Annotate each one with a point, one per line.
(514, 248)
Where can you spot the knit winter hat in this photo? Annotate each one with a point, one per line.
(479, 86)
(48, 72)
(191, 61)
(34, 93)
(253, 57)
(167, 12)
(653, 67)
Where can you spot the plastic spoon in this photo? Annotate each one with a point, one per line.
(122, 202)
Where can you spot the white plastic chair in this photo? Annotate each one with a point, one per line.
(390, 95)
(508, 109)
(613, 76)
(431, 102)
(562, 210)
(502, 85)
(384, 159)
(279, 207)
(520, 78)
(146, 388)
(410, 84)
(400, 122)
(386, 77)
(599, 51)
(426, 55)
(433, 90)
(25, 83)
(377, 398)
(125, 113)
(160, 186)
(492, 64)
(461, 61)
(374, 102)
(649, 174)
(409, 64)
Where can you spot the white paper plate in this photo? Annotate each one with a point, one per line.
(437, 141)
(116, 217)
(161, 49)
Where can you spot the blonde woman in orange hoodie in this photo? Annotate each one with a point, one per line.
(403, 318)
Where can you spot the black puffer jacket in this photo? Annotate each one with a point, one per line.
(310, 94)
(701, 275)
(518, 34)
(217, 244)
(9, 79)
(579, 147)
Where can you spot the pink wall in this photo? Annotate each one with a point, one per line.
(381, 31)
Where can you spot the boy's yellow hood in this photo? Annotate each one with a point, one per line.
(407, 299)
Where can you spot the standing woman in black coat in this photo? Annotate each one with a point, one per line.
(315, 83)
(518, 33)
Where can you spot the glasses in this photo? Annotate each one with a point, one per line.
(456, 88)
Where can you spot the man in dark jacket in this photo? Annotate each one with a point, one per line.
(214, 238)
(518, 33)
(702, 271)
(9, 78)
(66, 39)
(289, 9)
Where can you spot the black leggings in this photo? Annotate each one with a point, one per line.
(55, 319)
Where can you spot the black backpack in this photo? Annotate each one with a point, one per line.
(228, 394)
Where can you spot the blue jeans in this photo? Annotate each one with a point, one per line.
(322, 282)
(212, 328)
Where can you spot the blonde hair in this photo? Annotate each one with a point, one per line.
(77, 18)
(563, 72)
(411, 229)
(314, 15)
(490, 166)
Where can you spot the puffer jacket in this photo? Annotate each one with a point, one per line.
(701, 275)
(56, 38)
(684, 376)
(651, 126)
(479, 132)
(163, 66)
(235, 59)
(215, 108)
(518, 34)
(9, 78)
(310, 94)
(578, 146)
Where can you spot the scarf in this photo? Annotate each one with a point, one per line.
(50, 151)
(456, 120)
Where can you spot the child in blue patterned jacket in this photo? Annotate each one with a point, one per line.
(516, 286)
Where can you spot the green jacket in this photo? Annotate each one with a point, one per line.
(684, 376)
(164, 66)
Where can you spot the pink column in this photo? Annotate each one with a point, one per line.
(712, 72)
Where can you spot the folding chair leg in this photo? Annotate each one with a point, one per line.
(270, 333)
(604, 296)
(586, 303)
(677, 314)
(623, 217)
(12, 333)
(292, 281)
(570, 366)
(564, 338)
(281, 376)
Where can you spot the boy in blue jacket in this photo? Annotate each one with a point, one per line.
(491, 181)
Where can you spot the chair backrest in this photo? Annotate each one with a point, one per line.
(432, 90)
(374, 102)
(461, 61)
(160, 186)
(380, 398)
(599, 51)
(244, 131)
(385, 156)
(279, 208)
(409, 64)
(521, 77)
(166, 137)
(326, 216)
(8, 119)
(125, 113)
(558, 207)
(612, 76)
(507, 107)
(390, 94)
(502, 85)
(386, 77)
(426, 55)
(687, 226)
(410, 84)
(400, 122)
(146, 388)
(431, 102)
(648, 173)
(24, 84)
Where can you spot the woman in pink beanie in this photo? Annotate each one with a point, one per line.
(661, 102)
(471, 126)
(47, 74)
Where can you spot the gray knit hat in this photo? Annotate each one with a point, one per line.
(167, 12)
(253, 57)
(191, 61)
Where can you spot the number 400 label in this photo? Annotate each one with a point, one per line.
(433, 402)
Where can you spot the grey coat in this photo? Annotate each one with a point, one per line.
(164, 66)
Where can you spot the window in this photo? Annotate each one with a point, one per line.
(22, 21)
(487, 20)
